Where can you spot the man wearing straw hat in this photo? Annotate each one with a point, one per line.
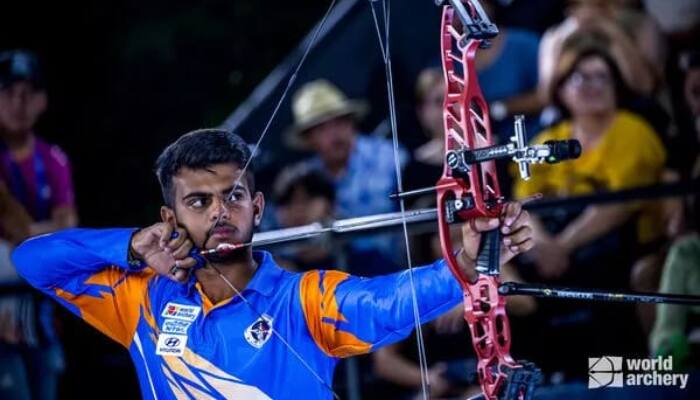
(360, 166)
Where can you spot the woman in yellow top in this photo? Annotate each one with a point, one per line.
(620, 151)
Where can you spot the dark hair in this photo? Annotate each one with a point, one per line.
(200, 149)
(571, 58)
(313, 182)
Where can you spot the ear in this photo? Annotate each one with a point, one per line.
(258, 207)
(167, 214)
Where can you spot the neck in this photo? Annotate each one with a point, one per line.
(18, 143)
(335, 168)
(588, 128)
(237, 269)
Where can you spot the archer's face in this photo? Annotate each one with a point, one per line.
(202, 199)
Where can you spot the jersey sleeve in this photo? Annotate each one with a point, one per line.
(86, 271)
(349, 315)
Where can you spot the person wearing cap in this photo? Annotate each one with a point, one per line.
(36, 197)
(360, 166)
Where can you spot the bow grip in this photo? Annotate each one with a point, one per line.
(488, 258)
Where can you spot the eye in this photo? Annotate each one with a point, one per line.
(198, 203)
(234, 196)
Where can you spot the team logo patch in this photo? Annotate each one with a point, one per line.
(259, 332)
(171, 345)
(175, 326)
(181, 312)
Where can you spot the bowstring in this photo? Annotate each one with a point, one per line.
(386, 56)
(254, 152)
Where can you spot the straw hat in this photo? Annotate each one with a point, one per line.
(317, 102)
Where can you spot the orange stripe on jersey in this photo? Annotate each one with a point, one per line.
(318, 303)
(116, 315)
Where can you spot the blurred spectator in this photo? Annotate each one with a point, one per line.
(507, 72)
(676, 328)
(620, 150)
(304, 197)
(36, 196)
(679, 19)
(360, 166)
(630, 36)
(425, 167)
(647, 272)
(594, 245)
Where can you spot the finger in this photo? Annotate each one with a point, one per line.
(165, 235)
(510, 214)
(180, 271)
(521, 220)
(477, 225)
(177, 237)
(182, 250)
(522, 247)
(518, 236)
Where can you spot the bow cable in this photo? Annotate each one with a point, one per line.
(386, 56)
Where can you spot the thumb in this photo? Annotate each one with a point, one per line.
(471, 234)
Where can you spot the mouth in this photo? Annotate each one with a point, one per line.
(223, 232)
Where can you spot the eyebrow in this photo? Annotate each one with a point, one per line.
(226, 191)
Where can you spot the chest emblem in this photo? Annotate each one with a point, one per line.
(259, 332)
(171, 345)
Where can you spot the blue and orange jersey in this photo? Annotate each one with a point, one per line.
(184, 347)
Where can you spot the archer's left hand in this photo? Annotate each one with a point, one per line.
(516, 234)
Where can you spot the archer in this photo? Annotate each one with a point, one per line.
(239, 324)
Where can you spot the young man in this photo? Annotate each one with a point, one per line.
(240, 326)
(36, 196)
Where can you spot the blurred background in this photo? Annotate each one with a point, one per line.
(121, 80)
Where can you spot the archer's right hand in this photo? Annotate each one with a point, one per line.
(165, 249)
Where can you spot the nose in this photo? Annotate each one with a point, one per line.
(220, 211)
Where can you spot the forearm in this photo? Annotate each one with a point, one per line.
(53, 259)
(592, 224)
(62, 218)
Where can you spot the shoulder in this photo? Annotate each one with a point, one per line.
(52, 152)
(634, 130)
(687, 247)
(319, 282)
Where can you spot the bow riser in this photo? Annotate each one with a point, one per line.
(471, 191)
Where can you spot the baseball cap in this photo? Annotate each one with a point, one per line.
(20, 65)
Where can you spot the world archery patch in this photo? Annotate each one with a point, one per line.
(259, 332)
(181, 312)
